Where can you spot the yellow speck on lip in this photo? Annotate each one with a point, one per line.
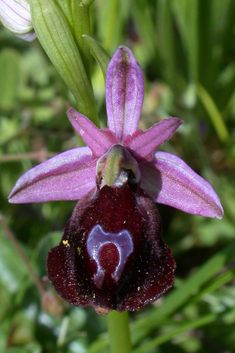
(65, 242)
(79, 250)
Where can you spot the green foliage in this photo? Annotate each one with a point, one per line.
(187, 51)
(9, 67)
(59, 42)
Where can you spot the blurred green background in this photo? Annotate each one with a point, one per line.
(187, 51)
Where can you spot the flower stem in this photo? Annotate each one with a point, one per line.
(81, 25)
(119, 332)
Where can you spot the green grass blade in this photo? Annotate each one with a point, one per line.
(178, 297)
(186, 16)
(166, 42)
(214, 114)
(213, 285)
(143, 18)
(204, 320)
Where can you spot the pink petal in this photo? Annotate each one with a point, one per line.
(143, 145)
(99, 141)
(124, 93)
(68, 176)
(170, 181)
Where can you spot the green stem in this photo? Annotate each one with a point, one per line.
(119, 332)
(81, 25)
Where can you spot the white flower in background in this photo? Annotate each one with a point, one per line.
(15, 16)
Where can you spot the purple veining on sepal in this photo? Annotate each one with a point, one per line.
(16, 16)
(112, 255)
(68, 176)
(28, 37)
(170, 181)
(98, 140)
(124, 93)
(144, 144)
(123, 242)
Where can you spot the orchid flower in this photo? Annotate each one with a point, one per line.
(15, 15)
(112, 255)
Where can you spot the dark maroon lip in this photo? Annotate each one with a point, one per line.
(112, 255)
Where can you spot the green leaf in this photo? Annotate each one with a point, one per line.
(81, 25)
(65, 7)
(99, 53)
(55, 35)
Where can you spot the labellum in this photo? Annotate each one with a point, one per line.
(112, 255)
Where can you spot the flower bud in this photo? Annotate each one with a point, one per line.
(15, 15)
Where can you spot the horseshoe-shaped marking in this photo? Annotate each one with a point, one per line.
(123, 242)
